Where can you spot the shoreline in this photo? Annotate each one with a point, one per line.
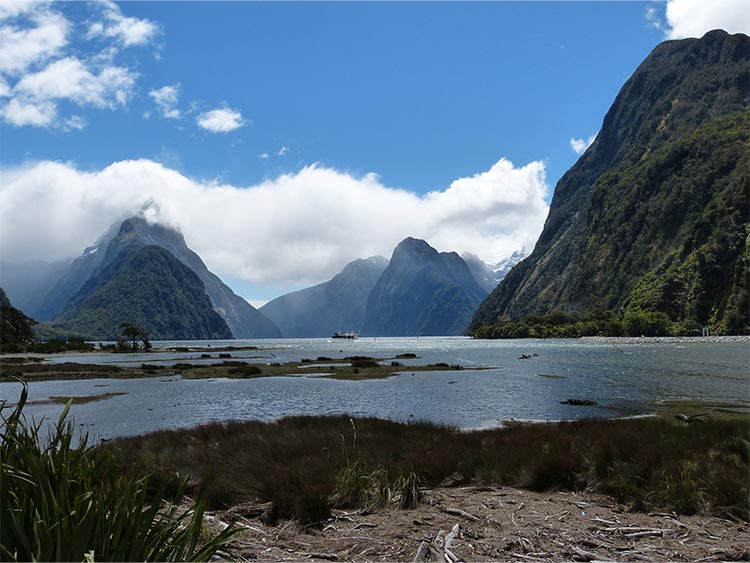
(738, 339)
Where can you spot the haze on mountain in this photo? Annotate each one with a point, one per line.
(422, 292)
(654, 215)
(243, 320)
(336, 305)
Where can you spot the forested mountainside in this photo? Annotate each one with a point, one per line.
(654, 216)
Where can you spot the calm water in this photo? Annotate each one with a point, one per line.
(624, 379)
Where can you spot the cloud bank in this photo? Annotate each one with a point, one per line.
(296, 229)
(693, 18)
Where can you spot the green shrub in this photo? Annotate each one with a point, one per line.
(65, 501)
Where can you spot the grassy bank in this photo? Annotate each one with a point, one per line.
(305, 466)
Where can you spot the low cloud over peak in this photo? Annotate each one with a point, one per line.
(296, 229)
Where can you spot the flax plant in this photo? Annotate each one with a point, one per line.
(63, 500)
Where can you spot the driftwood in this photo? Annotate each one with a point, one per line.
(439, 548)
(463, 513)
(691, 418)
(326, 556)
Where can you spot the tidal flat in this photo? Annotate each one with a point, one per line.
(354, 368)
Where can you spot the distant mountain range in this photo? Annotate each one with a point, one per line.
(336, 305)
(654, 217)
(145, 274)
(418, 292)
(93, 293)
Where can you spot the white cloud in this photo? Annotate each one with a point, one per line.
(221, 120)
(654, 18)
(37, 113)
(166, 99)
(43, 69)
(70, 79)
(127, 31)
(295, 229)
(14, 8)
(264, 156)
(282, 151)
(4, 88)
(693, 18)
(580, 146)
(25, 46)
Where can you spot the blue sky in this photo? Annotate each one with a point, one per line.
(390, 109)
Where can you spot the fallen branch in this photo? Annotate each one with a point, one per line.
(326, 556)
(459, 512)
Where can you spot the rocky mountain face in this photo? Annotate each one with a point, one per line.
(422, 292)
(335, 305)
(146, 286)
(486, 275)
(654, 215)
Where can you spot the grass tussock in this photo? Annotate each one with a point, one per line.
(307, 465)
(61, 500)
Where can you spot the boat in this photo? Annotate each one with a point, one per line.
(345, 335)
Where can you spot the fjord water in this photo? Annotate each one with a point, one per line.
(625, 379)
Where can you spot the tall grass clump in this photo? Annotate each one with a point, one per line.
(62, 500)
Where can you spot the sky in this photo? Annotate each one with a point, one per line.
(286, 139)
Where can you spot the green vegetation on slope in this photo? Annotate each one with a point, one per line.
(596, 323)
(654, 216)
(146, 287)
(16, 329)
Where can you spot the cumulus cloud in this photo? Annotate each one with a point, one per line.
(166, 99)
(127, 31)
(654, 18)
(44, 36)
(70, 79)
(221, 120)
(580, 146)
(693, 18)
(42, 69)
(295, 229)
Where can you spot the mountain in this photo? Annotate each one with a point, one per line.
(146, 286)
(422, 293)
(76, 275)
(27, 284)
(15, 328)
(654, 215)
(335, 305)
(242, 318)
(486, 275)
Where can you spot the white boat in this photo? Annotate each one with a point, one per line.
(345, 335)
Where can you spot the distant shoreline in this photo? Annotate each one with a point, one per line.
(667, 339)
